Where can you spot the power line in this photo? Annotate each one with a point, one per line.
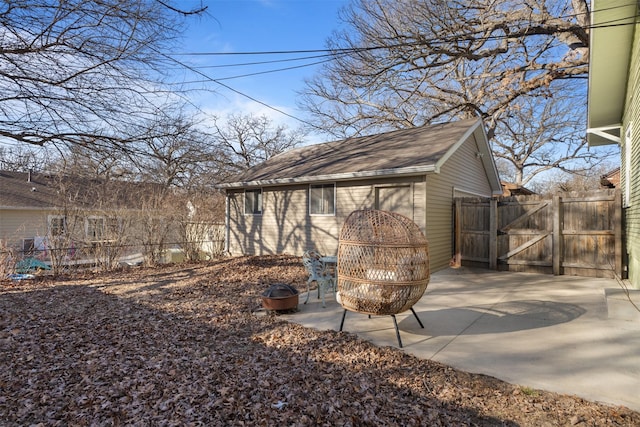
(257, 73)
(332, 54)
(276, 61)
(264, 104)
(335, 53)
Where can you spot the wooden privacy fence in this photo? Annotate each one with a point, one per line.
(569, 233)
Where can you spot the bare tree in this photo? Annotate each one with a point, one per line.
(91, 224)
(78, 71)
(21, 158)
(155, 224)
(202, 228)
(177, 153)
(588, 180)
(141, 194)
(408, 63)
(179, 164)
(65, 232)
(247, 140)
(101, 165)
(540, 135)
(7, 259)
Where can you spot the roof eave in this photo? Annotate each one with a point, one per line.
(610, 55)
(28, 208)
(351, 176)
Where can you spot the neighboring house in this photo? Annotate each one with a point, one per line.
(299, 200)
(36, 209)
(67, 219)
(614, 105)
(611, 179)
(31, 211)
(513, 189)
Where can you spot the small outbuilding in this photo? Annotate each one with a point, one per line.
(298, 200)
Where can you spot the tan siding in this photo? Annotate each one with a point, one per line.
(462, 171)
(284, 219)
(286, 227)
(236, 225)
(362, 195)
(632, 118)
(16, 225)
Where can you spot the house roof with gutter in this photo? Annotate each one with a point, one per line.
(413, 151)
(26, 190)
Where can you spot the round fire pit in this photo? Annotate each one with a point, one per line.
(280, 297)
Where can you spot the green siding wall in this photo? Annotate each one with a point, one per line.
(632, 120)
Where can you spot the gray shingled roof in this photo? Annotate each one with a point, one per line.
(414, 150)
(43, 191)
(24, 190)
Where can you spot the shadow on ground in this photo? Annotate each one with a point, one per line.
(502, 317)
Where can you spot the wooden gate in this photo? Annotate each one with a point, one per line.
(569, 233)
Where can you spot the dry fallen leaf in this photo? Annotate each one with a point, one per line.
(181, 345)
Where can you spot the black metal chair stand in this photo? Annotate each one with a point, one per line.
(395, 323)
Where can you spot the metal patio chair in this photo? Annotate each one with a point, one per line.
(318, 272)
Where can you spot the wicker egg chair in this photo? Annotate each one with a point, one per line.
(383, 264)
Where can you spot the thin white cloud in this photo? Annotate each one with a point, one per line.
(224, 106)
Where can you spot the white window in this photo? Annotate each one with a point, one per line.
(95, 228)
(57, 225)
(627, 165)
(322, 199)
(253, 202)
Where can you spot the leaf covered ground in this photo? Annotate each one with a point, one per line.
(182, 346)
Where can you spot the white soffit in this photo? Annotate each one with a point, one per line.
(612, 28)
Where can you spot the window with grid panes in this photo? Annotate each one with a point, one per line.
(57, 225)
(253, 202)
(322, 199)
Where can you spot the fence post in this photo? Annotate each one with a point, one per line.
(617, 233)
(493, 234)
(556, 211)
(457, 230)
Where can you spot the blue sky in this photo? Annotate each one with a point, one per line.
(252, 26)
(258, 26)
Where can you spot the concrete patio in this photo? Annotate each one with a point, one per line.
(566, 334)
